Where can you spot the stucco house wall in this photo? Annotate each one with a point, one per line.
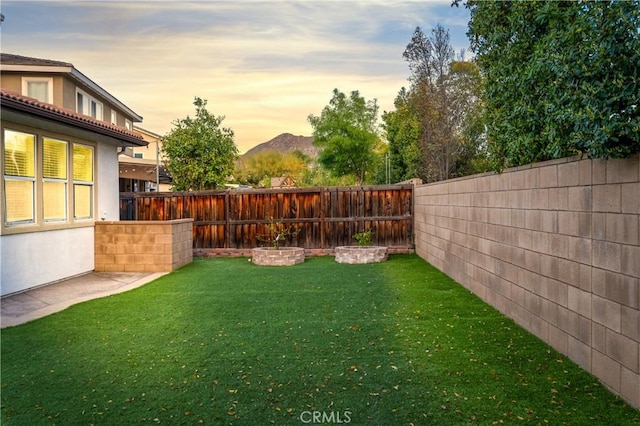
(37, 258)
(34, 254)
(108, 207)
(35, 251)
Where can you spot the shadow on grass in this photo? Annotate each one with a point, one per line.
(222, 341)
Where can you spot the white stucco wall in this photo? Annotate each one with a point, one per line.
(37, 258)
(108, 207)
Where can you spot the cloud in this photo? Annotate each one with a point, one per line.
(265, 65)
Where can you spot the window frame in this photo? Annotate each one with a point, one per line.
(39, 223)
(20, 178)
(48, 80)
(48, 179)
(88, 103)
(80, 183)
(20, 222)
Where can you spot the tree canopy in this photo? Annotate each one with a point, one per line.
(258, 169)
(431, 132)
(561, 78)
(199, 154)
(346, 133)
(403, 130)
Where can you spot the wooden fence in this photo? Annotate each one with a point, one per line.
(325, 217)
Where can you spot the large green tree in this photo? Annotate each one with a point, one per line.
(561, 77)
(430, 132)
(402, 129)
(346, 132)
(198, 153)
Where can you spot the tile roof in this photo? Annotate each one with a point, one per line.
(19, 102)
(11, 59)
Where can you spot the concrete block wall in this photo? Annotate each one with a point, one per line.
(143, 246)
(554, 246)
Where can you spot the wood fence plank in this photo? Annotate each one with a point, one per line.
(326, 216)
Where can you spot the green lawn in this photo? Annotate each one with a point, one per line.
(222, 341)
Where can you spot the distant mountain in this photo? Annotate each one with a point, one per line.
(287, 142)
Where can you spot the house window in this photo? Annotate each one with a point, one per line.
(45, 180)
(88, 105)
(128, 124)
(40, 88)
(19, 176)
(82, 181)
(114, 117)
(54, 179)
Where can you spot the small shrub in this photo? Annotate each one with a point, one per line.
(277, 232)
(364, 238)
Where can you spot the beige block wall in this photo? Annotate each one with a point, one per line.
(556, 247)
(143, 246)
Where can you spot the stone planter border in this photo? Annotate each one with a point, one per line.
(283, 256)
(360, 254)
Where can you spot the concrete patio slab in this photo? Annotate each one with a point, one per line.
(42, 301)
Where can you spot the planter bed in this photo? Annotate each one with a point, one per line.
(361, 254)
(283, 256)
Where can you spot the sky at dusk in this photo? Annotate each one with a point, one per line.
(264, 65)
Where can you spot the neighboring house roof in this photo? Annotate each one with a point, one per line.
(16, 102)
(140, 168)
(11, 62)
(283, 182)
(148, 133)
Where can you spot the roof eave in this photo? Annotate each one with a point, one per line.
(95, 87)
(35, 68)
(122, 138)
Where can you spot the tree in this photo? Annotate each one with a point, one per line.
(258, 169)
(199, 154)
(561, 78)
(430, 132)
(403, 128)
(347, 135)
